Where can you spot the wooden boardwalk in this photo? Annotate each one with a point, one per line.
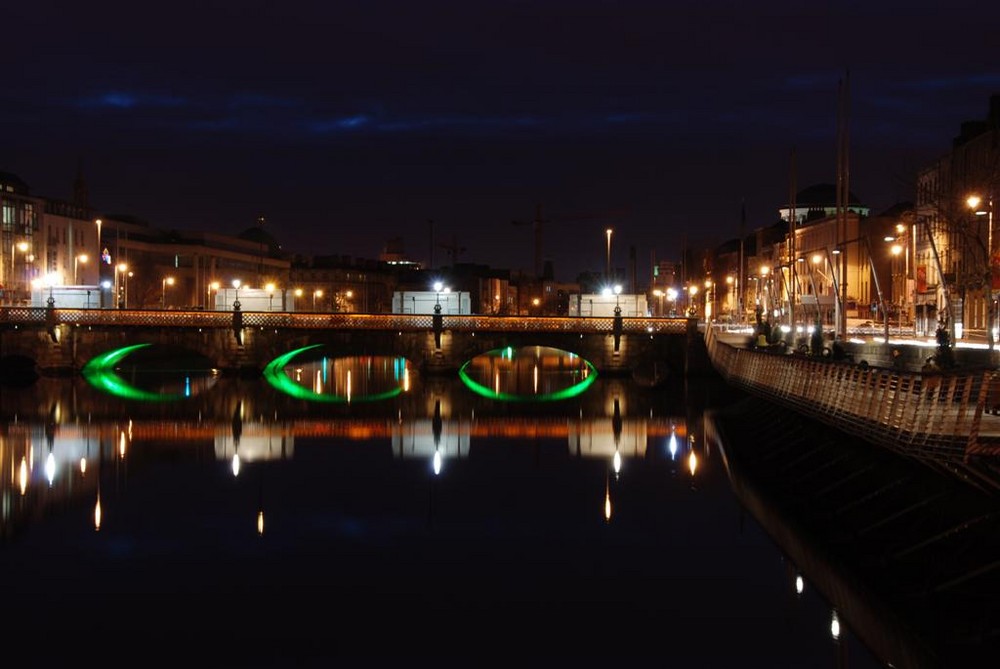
(940, 419)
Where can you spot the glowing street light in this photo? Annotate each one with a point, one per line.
(236, 302)
(438, 287)
(120, 289)
(316, 293)
(270, 296)
(212, 287)
(82, 258)
(974, 201)
(608, 274)
(167, 281)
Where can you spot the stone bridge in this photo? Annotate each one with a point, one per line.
(61, 341)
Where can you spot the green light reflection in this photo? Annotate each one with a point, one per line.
(588, 371)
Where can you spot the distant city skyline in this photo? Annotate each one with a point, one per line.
(348, 127)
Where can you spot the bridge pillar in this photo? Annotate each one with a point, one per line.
(617, 328)
(238, 323)
(438, 326)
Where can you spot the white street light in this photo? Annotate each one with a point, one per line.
(608, 275)
(82, 258)
(167, 281)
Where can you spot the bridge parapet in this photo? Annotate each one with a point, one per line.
(238, 339)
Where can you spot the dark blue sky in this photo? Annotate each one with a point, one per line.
(347, 124)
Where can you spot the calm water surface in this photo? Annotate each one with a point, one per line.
(352, 507)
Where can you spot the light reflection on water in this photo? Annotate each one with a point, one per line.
(612, 495)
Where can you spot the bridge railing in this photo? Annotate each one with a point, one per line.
(315, 320)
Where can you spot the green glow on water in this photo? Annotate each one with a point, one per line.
(508, 353)
(275, 374)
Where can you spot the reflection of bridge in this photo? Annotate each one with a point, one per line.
(66, 339)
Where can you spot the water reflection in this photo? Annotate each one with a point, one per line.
(530, 373)
(145, 380)
(612, 491)
(308, 374)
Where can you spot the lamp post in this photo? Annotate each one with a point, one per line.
(974, 201)
(438, 286)
(618, 292)
(82, 258)
(120, 294)
(214, 286)
(608, 275)
(316, 293)
(236, 287)
(167, 281)
(270, 296)
(658, 294)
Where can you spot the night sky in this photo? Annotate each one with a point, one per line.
(347, 124)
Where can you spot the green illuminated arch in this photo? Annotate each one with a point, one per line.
(100, 373)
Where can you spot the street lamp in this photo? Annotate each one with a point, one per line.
(974, 201)
(659, 297)
(167, 281)
(438, 286)
(214, 286)
(270, 296)
(608, 275)
(236, 302)
(82, 258)
(120, 287)
(316, 293)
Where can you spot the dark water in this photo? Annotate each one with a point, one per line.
(244, 524)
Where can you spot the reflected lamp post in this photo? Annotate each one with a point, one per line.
(167, 281)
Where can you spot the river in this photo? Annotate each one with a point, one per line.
(506, 514)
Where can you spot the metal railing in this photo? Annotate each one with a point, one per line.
(939, 418)
(313, 320)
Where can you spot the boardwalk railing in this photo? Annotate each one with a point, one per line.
(939, 418)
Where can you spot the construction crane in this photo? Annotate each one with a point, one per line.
(539, 221)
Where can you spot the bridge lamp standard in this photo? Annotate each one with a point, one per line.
(692, 309)
(236, 287)
(167, 281)
(618, 291)
(438, 287)
(316, 293)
